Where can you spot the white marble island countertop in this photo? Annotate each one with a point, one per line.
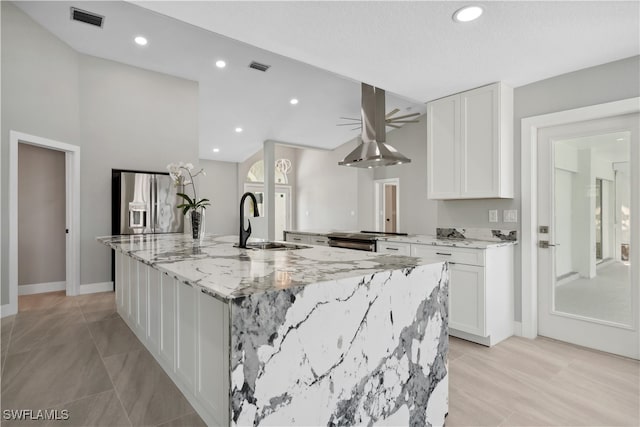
(228, 272)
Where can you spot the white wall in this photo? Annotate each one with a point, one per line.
(332, 197)
(220, 186)
(41, 215)
(39, 97)
(120, 116)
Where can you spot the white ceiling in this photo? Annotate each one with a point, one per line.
(235, 96)
(410, 48)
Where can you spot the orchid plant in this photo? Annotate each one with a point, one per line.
(182, 174)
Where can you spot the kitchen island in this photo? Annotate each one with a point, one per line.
(313, 336)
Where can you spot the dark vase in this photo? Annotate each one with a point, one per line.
(197, 223)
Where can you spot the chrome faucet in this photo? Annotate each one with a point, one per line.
(244, 234)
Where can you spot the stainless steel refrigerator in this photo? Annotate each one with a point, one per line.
(145, 203)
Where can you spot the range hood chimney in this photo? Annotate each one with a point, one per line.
(373, 151)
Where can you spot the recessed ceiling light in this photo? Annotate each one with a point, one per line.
(142, 41)
(620, 139)
(221, 64)
(238, 130)
(293, 101)
(467, 13)
(216, 150)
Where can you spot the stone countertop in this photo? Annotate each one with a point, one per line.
(458, 243)
(311, 232)
(228, 273)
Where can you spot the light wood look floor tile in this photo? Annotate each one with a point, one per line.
(97, 307)
(44, 377)
(113, 336)
(148, 394)
(541, 382)
(190, 420)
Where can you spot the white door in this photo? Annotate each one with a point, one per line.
(387, 202)
(588, 276)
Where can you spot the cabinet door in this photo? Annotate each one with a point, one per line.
(212, 381)
(480, 142)
(168, 320)
(143, 281)
(133, 293)
(186, 334)
(443, 147)
(153, 319)
(467, 299)
(119, 282)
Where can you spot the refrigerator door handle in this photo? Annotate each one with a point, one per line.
(154, 203)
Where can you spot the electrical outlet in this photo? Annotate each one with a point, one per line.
(493, 215)
(510, 215)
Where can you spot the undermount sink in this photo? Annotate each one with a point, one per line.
(275, 246)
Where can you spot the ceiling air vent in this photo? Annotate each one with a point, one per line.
(258, 66)
(86, 17)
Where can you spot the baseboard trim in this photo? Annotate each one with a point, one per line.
(517, 329)
(41, 288)
(92, 288)
(8, 310)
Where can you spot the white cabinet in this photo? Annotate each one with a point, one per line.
(185, 329)
(393, 248)
(186, 334)
(470, 144)
(480, 290)
(318, 239)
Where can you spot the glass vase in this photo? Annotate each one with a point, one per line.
(197, 224)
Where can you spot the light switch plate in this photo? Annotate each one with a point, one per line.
(493, 215)
(510, 215)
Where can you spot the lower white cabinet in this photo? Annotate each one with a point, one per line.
(480, 288)
(467, 299)
(296, 238)
(185, 329)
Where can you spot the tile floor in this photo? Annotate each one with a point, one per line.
(77, 354)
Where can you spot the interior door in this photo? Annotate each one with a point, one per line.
(588, 241)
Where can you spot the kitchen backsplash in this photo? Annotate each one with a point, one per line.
(477, 234)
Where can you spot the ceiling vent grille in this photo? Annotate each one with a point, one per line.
(86, 17)
(258, 66)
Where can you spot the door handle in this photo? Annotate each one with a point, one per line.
(544, 244)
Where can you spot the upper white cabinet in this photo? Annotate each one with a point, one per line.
(470, 144)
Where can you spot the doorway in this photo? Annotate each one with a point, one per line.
(586, 294)
(41, 220)
(387, 205)
(71, 216)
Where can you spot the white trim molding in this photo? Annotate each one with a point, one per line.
(92, 288)
(72, 179)
(529, 194)
(41, 288)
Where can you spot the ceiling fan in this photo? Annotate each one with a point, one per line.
(389, 120)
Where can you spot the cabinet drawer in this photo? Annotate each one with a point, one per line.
(394, 248)
(297, 238)
(446, 253)
(318, 240)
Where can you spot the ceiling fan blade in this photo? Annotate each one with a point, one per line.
(405, 116)
(393, 126)
(350, 118)
(403, 121)
(357, 128)
(391, 113)
(345, 124)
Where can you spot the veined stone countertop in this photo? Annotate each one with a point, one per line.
(458, 243)
(229, 273)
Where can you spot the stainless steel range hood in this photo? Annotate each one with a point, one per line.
(373, 151)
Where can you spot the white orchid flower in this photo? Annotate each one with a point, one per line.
(189, 166)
